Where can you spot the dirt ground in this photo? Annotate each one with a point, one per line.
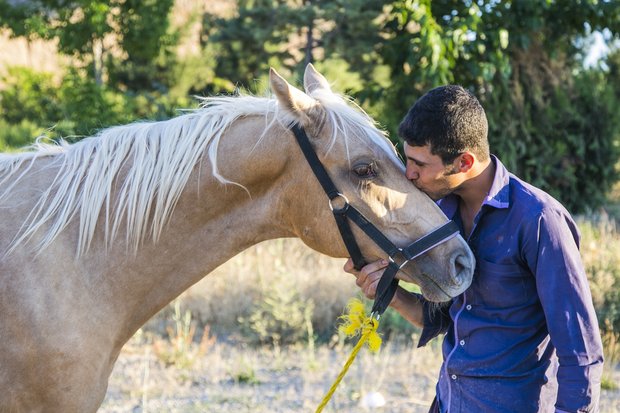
(234, 378)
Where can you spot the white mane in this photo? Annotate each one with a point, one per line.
(154, 161)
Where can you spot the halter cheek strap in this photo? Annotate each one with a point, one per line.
(398, 257)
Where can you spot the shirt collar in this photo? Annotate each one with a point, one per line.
(498, 196)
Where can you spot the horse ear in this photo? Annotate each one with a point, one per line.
(313, 80)
(289, 96)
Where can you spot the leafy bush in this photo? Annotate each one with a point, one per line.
(90, 106)
(30, 95)
(282, 316)
(33, 104)
(32, 101)
(563, 139)
(18, 135)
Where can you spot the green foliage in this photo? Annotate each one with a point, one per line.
(608, 383)
(283, 33)
(244, 373)
(250, 42)
(78, 106)
(143, 24)
(17, 135)
(564, 141)
(34, 104)
(145, 37)
(552, 122)
(282, 316)
(89, 106)
(196, 75)
(29, 95)
(80, 27)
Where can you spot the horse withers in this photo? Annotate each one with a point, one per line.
(98, 236)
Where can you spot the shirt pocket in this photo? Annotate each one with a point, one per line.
(504, 285)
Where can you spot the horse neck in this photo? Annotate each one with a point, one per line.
(212, 222)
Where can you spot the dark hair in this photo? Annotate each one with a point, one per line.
(449, 119)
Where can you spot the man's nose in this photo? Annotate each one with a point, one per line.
(411, 174)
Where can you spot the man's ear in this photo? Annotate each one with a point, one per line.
(465, 161)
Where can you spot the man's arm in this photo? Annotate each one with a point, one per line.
(412, 307)
(552, 252)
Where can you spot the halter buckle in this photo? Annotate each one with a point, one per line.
(403, 263)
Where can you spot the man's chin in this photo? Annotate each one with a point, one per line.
(436, 196)
(433, 195)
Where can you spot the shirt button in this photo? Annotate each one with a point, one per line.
(462, 342)
(453, 377)
(468, 306)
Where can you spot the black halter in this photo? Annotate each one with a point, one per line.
(398, 257)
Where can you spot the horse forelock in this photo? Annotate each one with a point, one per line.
(156, 160)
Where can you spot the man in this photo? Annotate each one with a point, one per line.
(524, 336)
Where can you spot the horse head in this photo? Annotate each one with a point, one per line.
(367, 171)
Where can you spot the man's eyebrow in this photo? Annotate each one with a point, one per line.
(419, 162)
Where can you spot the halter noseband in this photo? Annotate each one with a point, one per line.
(398, 257)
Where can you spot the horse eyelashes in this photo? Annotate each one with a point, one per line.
(366, 171)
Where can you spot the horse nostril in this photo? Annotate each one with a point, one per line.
(461, 271)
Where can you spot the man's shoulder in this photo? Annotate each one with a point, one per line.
(532, 199)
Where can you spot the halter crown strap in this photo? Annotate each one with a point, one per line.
(315, 162)
(332, 192)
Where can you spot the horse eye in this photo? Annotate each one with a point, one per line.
(365, 171)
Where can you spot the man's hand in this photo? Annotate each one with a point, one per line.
(368, 277)
(407, 304)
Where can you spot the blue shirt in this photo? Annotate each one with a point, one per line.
(524, 336)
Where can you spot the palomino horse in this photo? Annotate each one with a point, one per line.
(97, 236)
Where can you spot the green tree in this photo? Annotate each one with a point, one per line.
(145, 36)
(254, 39)
(289, 34)
(80, 27)
(524, 60)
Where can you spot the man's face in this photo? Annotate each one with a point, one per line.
(429, 174)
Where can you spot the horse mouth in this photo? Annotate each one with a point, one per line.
(434, 288)
(432, 291)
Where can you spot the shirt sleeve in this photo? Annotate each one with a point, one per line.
(437, 320)
(552, 252)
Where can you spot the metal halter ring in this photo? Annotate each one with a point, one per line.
(346, 203)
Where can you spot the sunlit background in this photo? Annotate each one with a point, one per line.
(547, 73)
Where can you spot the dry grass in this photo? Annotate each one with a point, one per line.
(246, 379)
(234, 289)
(217, 371)
(157, 375)
(241, 379)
